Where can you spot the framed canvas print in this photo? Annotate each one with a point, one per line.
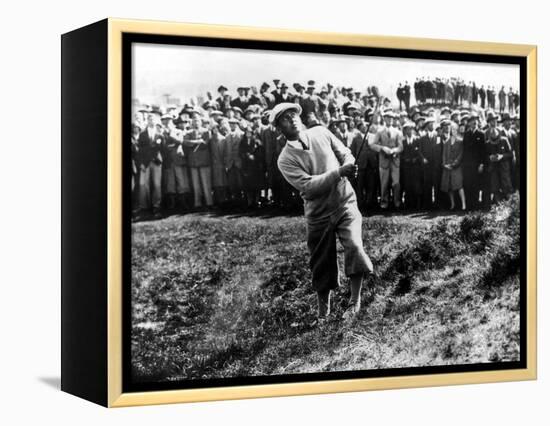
(254, 212)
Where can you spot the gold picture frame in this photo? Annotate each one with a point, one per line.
(114, 30)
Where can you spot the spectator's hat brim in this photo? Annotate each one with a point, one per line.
(428, 120)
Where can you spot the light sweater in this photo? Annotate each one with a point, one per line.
(315, 172)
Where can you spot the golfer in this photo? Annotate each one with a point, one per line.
(318, 164)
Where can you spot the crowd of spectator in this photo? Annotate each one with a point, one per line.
(444, 136)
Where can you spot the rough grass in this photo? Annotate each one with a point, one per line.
(231, 296)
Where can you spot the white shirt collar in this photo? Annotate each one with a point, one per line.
(295, 144)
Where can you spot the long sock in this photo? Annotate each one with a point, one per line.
(356, 283)
(323, 300)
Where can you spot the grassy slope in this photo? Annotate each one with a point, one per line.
(229, 296)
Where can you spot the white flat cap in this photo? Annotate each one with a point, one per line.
(282, 107)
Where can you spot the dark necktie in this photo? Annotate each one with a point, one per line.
(304, 146)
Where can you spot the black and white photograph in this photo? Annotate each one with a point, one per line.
(305, 213)
(286, 213)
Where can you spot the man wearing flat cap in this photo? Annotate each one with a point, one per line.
(299, 93)
(490, 130)
(501, 100)
(431, 154)
(343, 132)
(349, 102)
(367, 164)
(267, 99)
(513, 139)
(400, 96)
(323, 100)
(407, 95)
(255, 99)
(199, 161)
(411, 167)
(150, 143)
(473, 161)
(310, 102)
(388, 142)
(276, 90)
(241, 101)
(318, 165)
(175, 172)
(419, 122)
(222, 99)
(232, 161)
(282, 94)
(238, 112)
(492, 95)
(500, 157)
(482, 95)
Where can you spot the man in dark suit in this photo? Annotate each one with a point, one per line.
(255, 98)
(491, 129)
(150, 143)
(473, 161)
(221, 100)
(513, 139)
(282, 95)
(349, 94)
(430, 152)
(407, 95)
(233, 162)
(411, 171)
(475, 93)
(367, 163)
(417, 94)
(432, 85)
(493, 97)
(242, 101)
(310, 103)
(267, 99)
(482, 95)
(502, 100)
(399, 94)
